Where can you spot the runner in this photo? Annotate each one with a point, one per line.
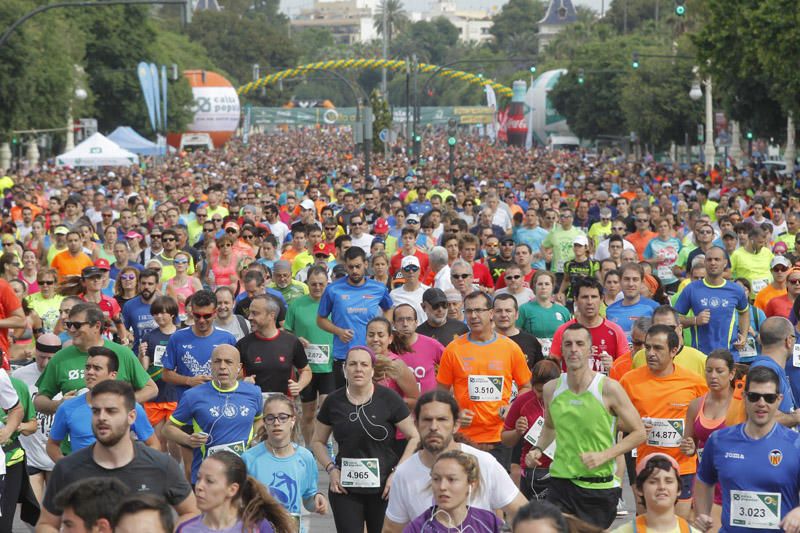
(363, 419)
(420, 353)
(439, 325)
(755, 465)
(582, 411)
(541, 317)
(661, 392)
(633, 305)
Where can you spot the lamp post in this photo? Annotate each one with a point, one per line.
(709, 152)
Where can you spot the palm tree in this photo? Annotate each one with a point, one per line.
(396, 18)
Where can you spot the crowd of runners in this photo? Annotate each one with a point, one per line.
(188, 344)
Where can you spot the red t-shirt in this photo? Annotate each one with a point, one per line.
(780, 306)
(8, 304)
(529, 406)
(482, 276)
(501, 281)
(608, 337)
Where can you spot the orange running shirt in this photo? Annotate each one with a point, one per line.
(66, 265)
(469, 366)
(665, 400)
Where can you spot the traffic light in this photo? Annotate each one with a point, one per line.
(635, 60)
(451, 141)
(533, 69)
(417, 138)
(680, 7)
(749, 135)
(581, 78)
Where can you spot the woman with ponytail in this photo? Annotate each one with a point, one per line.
(233, 502)
(287, 469)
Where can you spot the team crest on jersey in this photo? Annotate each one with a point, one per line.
(775, 457)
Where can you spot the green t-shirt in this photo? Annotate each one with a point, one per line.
(301, 319)
(64, 372)
(560, 240)
(540, 322)
(13, 450)
(291, 292)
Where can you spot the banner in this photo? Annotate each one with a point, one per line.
(145, 80)
(156, 90)
(164, 125)
(346, 116)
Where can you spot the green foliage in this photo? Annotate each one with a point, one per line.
(430, 40)
(396, 18)
(383, 118)
(313, 44)
(36, 69)
(515, 27)
(750, 50)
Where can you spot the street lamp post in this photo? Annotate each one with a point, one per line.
(709, 152)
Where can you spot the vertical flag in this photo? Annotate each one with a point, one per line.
(164, 98)
(156, 94)
(491, 102)
(145, 75)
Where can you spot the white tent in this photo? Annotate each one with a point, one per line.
(97, 151)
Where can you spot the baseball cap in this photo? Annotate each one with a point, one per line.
(412, 217)
(134, 235)
(381, 226)
(507, 239)
(102, 264)
(91, 271)
(656, 455)
(60, 230)
(409, 260)
(325, 248)
(729, 233)
(307, 204)
(779, 260)
(581, 239)
(434, 296)
(232, 224)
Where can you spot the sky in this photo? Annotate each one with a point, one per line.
(292, 6)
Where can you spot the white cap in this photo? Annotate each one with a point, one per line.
(409, 260)
(307, 204)
(581, 239)
(780, 260)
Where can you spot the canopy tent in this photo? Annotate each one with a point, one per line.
(97, 151)
(130, 140)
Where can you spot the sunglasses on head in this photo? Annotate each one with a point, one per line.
(754, 397)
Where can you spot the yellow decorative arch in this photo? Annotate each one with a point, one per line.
(390, 64)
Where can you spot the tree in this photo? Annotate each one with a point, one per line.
(515, 27)
(430, 40)
(396, 18)
(757, 87)
(383, 118)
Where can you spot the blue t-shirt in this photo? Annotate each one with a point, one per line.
(190, 355)
(737, 462)
(625, 315)
(136, 315)
(787, 404)
(352, 307)
(723, 301)
(226, 415)
(156, 348)
(533, 238)
(74, 418)
(793, 373)
(290, 480)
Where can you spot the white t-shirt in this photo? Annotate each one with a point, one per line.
(413, 298)
(364, 242)
(442, 279)
(35, 445)
(280, 230)
(8, 399)
(411, 493)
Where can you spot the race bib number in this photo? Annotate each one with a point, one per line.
(796, 356)
(361, 473)
(758, 510)
(158, 354)
(749, 348)
(759, 284)
(533, 434)
(318, 354)
(236, 447)
(546, 344)
(666, 432)
(485, 388)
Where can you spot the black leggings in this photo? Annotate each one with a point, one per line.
(352, 511)
(18, 490)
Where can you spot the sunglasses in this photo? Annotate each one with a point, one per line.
(410, 268)
(201, 215)
(127, 276)
(203, 316)
(217, 220)
(48, 282)
(330, 228)
(412, 222)
(208, 230)
(461, 276)
(754, 397)
(230, 230)
(356, 223)
(69, 324)
(225, 245)
(780, 269)
(10, 243)
(516, 276)
(794, 281)
(181, 261)
(247, 237)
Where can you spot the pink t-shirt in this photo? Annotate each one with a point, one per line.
(426, 354)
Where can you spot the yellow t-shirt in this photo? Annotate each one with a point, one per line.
(689, 358)
(752, 267)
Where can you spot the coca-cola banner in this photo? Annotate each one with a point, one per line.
(516, 126)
